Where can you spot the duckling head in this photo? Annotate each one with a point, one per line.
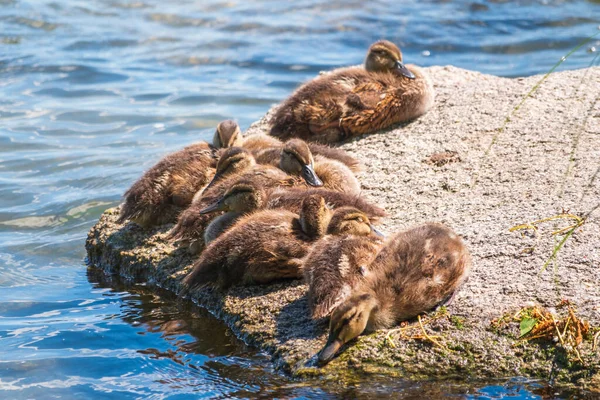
(227, 134)
(314, 216)
(385, 56)
(234, 160)
(296, 159)
(347, 322)
(351, 221)
(243, 196)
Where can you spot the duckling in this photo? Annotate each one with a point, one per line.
(354, 101)
(228, 134)
(235, 163)
(169, 186)
(296, 158)
(414, 272)
(246, 196)
(261, 247)
(242, 198)
(162, 192)
(336, 265)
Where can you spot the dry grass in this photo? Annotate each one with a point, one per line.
(565, 327)
(417, 331)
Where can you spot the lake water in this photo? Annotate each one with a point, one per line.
(93, 92)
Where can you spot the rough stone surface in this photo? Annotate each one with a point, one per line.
(545, 161)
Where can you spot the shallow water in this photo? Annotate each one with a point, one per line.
(92, 92)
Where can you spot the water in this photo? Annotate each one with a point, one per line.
(92, 92)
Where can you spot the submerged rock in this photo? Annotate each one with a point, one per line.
(494, 174)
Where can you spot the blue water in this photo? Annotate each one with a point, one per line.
(93, 92)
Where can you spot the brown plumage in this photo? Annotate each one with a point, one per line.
(162, 192)
(415, 271)
(296, 158)
(261, 247)
(354, 101)
(247, 196)
(335, 266)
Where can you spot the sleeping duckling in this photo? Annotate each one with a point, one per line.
(414, 272)
(261, 247)
(246, 196)
(335, 266)
(169, 186)
(354, 101)
(242, 198)
(235, 163)
(162, 192)
(296, 158)
(228, 134)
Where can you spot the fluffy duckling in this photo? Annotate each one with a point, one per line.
(228, 134)
(246, 196)
(242, 198)
(335, 266)
(261, 247)
(296, 158)
(162, 192)
(354, 101)
(414, 272)
(235, 164)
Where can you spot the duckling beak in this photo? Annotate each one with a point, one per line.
(329, 351)
(309, 175)
(376, 232)
(217, 206)
(212, 182)
(401, 68)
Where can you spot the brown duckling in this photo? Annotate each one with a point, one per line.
(414, 272)
(169, 186)
(354, 101)
(335, 266)
(246, 196)
(261, 247)
(242, 198)
(228, 134)
(235, 164)
(296, 158)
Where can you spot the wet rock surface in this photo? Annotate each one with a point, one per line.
(454, 165)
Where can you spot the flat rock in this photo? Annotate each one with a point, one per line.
(477, 164)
